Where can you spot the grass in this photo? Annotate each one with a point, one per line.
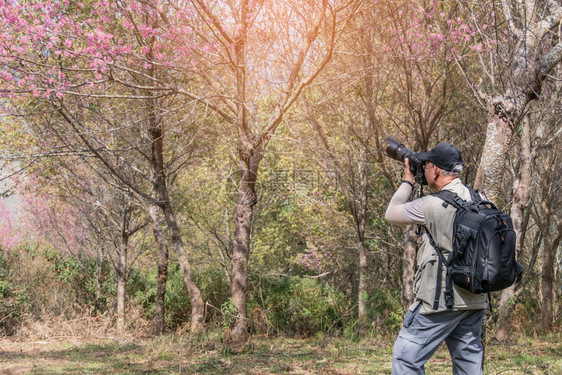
(172, 354)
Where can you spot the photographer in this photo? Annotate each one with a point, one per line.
(435, 317)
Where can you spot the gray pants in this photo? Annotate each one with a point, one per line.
(421, 335)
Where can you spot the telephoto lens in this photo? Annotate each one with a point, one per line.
(398, 151)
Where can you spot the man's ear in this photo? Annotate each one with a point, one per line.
(436, 173)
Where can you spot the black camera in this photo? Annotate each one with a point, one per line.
(398, 151)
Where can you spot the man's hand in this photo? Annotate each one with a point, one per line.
(408, 175)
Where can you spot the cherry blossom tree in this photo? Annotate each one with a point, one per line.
(76, 64)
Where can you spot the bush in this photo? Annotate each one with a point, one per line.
(296, 306)
(211, 282)
(46, 282)
(384, 310)
(13, 298)
(91, 278)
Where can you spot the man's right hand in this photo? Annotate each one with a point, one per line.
(408, 175)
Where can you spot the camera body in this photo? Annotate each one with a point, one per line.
(398, 151)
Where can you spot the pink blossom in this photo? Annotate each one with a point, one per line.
(477, 47)
(8, 235)
(128, 24)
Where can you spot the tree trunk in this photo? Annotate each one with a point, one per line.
(197, 304)
(245, 202)
(121, 269)
(490, 169)
(550, 243)
(361, 216)
(246, 198)
(362, 287)
(121, 281)
(547, 280)
(160, 192)
(157, 170)
(121, 284)
(521, 195)
(408, 262)
(162, 277)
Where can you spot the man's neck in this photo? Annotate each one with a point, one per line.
(443, 181)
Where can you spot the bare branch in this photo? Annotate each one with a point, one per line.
(72, 121)
(214, 20)
(509, 17)
(292, 94)
(551, 59)
(209, 104)
(111, 96)
(549, 22)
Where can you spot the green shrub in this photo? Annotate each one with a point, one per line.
(14, 299)
(91, 279)
(177, 305)
(43, 281)
(228, 312)
(211, 282)
(298, 306)
(384, 310)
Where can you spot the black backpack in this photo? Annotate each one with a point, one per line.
(483, 256)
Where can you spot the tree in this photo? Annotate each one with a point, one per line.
(118, 210)
(551, 222)
(87, 214)
(79, 62)
(348, 129)
(517, 48)
(527, 52)
(544, 143)
(425, 93)
(264, 55)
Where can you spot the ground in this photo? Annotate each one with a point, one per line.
(173, 354)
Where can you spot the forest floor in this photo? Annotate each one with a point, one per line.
(173, 354)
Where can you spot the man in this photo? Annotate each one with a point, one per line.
(429, 321)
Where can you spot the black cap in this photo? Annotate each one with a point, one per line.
(445, 156)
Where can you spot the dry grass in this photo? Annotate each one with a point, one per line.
(83, 327)
(88, 345)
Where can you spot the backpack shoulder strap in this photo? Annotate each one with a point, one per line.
(479, 199)
(451, 198)
(449, 296)
(475, 195)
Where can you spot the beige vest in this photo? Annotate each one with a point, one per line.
(439, 221)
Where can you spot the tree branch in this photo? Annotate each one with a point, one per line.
(72, 121)
(551, 59)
